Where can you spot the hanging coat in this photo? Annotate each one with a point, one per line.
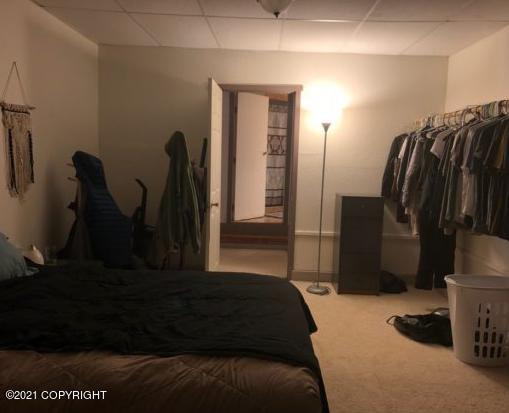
(178, 223)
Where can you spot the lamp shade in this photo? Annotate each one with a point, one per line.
(275, 7)
(324, 101)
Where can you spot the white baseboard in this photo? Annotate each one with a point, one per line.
(239, 245)
(331, 234)
(308, 275)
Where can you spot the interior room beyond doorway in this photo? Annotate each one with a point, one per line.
(259, 144)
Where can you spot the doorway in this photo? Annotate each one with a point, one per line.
(259, 172)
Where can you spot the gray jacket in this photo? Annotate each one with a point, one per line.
(178, 222)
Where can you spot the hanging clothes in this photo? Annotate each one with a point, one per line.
(392, 168)
(178, 222)
(451, 177)
(437, 247)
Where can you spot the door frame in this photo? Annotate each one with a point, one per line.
(213, 202)
(291, 173)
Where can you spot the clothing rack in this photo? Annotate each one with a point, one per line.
(451, 172)
(459, 117)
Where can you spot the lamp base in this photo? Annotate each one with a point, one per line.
(318, 289)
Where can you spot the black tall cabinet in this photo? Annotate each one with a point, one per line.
(358, 243)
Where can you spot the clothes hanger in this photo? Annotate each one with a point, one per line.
(447, 121)
(502, 107)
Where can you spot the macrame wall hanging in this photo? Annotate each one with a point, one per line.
(18, 140)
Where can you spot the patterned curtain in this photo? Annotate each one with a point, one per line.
(276, 153)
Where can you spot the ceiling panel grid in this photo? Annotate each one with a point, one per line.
(409, 27)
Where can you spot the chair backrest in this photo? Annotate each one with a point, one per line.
(110, 231)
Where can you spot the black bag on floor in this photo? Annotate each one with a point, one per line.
(392, 284)
(432, 328)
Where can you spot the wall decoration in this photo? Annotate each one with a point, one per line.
(18, 140)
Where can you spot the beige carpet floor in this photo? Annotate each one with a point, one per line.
(369, 367)
(259, 261)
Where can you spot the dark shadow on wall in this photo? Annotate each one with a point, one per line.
(59, 69)
(139, 111)
(149, 114)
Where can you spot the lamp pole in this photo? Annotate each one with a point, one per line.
(316, 288)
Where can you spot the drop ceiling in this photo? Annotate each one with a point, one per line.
(394, 27)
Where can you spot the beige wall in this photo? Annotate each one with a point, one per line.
(59, 71)
(479, 74)
(147, 93)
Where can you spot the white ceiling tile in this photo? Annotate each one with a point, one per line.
(178, 31)
(330, 9)
(451, 37)
(234, 8)
(104, 27)
(388, 37)
(485, 10)
(249, 34)
(416, 10)
(417, 27)
(110, 5)
(300, 36)
(187, 7)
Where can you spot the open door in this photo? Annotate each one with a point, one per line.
(291, 175)
(213, 222)
(250, 156)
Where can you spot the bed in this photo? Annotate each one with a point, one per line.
(152, 341)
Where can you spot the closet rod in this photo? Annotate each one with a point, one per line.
(483, 111)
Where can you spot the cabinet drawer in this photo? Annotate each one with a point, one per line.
(362, 207)
(359, 284)
(359, 273)
(360, 235)
(359, 264)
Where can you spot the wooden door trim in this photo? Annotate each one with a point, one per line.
(294, 164)
(288, 226)
(257, 88)
(232, 144)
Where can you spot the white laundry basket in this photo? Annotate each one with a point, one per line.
(479, 309)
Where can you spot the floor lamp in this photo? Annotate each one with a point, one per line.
(316, 288)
